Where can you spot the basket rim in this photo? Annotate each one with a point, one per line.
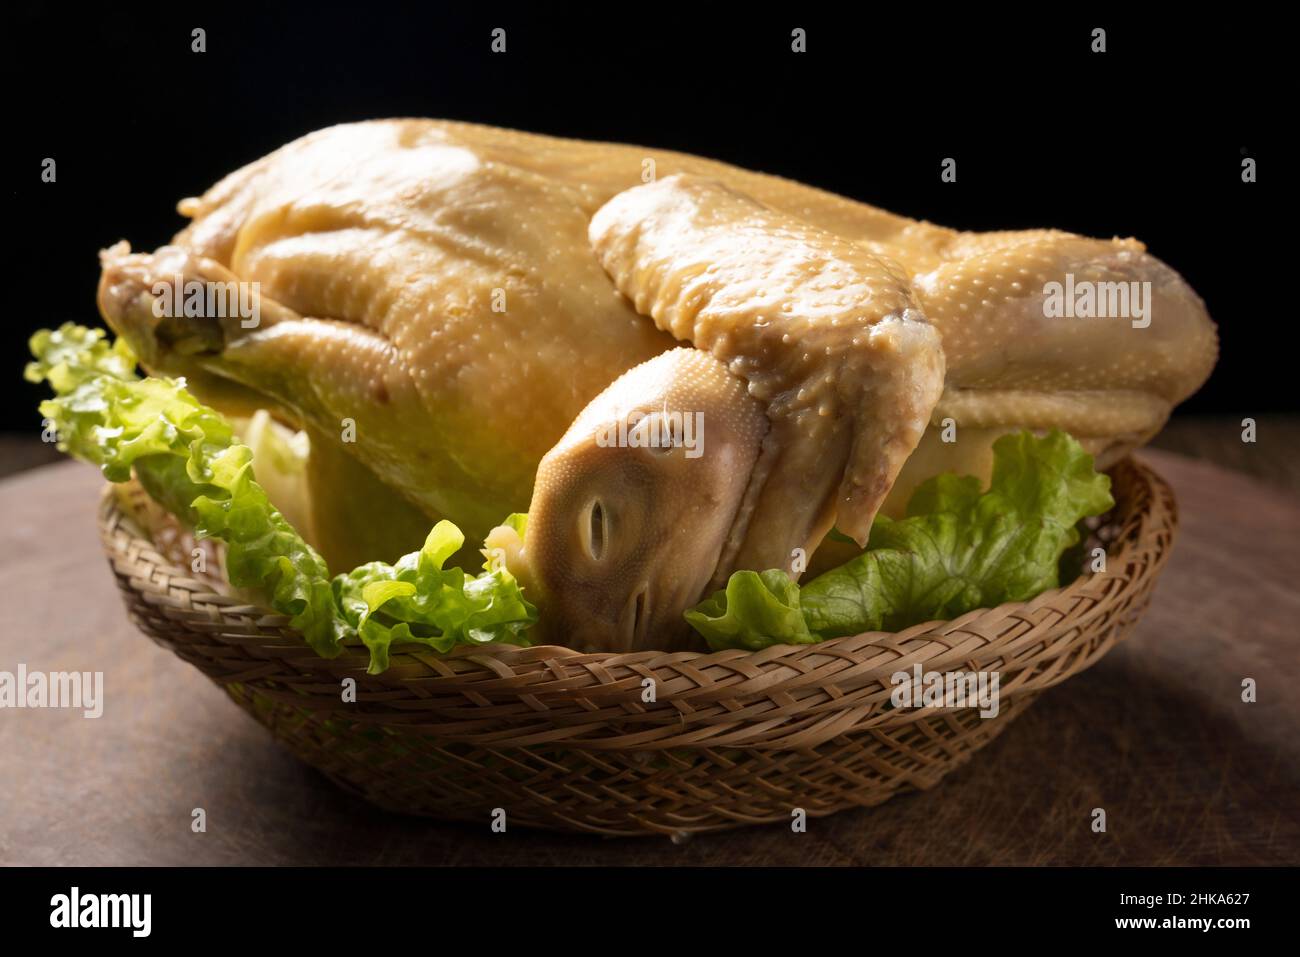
(1149, 508)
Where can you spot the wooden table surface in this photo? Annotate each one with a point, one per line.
(1156, 733)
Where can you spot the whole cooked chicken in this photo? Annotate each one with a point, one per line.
(677, 367)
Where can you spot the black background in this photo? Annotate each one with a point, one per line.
(731, 910)
(1144, 140)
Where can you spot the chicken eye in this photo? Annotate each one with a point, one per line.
(596, 531)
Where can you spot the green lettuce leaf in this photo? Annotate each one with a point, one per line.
(750, 610)
(188, 459)
(956, 550)
(419, 601)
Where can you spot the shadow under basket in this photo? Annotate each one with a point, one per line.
(568, 741)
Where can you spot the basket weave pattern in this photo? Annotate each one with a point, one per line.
(565, 740)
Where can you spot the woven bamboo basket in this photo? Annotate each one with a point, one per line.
(562, 740)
